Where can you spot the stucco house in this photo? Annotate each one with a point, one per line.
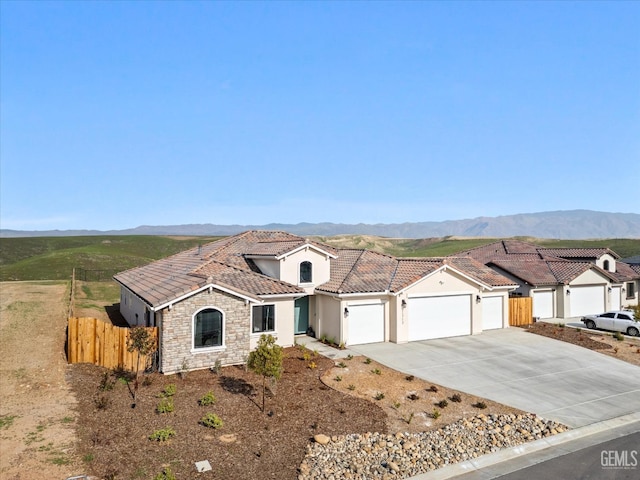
(563, 282)
(211, 303)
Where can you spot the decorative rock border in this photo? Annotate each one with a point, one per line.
(389, 456)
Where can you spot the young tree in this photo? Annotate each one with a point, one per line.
(266, 360)
(140, 341)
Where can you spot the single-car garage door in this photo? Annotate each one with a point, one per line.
(366, 324)
(543, 304)
(587, 300)
(492, 312)
(438, 317)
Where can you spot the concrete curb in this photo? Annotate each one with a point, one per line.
(535, 446)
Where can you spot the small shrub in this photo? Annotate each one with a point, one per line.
(169, 390)
(618, 336)
(341, 346)
(442, 403)
(456, 398)
(351, 387)
(165, 406)
(342, 365)
(162, 435)
(561, 325)
(409, 378)
(379, 396)
(433, 388)
(615, 349)
(312, 365)
(413, 396)
(211, 420)
(578, 329)
(376, 371)
(396, 405)
(207, 399)
(166, 474)
(88, 458)
(306, 356)
(480, 405)
(409, 418)
(435, 414)
(107, 383)
(349, 357)
(102, 402)
(338, 378)
(367, 361)
(147, 381)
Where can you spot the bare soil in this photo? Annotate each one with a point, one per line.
(37, 411)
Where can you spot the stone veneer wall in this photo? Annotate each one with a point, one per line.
(177, 326)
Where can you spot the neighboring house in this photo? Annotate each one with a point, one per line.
(211, 303)
(563, 282)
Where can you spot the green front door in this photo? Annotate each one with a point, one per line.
(301, 315)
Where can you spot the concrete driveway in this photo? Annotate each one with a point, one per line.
(554, 379)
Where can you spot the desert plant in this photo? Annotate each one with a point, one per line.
(338, 378)
(169, 390)
(456, 397)
(166, 474)
(433, 388)
(379, 396)
(351, 387)
(396, 405)
(266, 360)
(141, 342)
(367, 361)
(107, 383)
(618, 336)
(480, 405)
(162, 435)
(376, 371)
(211, 420)
(207, 399)
(342, 365)
(413, 396)
(409, 378)
(442, 403)
(409, 418)
(312, 365)
(435, 414)
(165, 405)
(349, 357)
(102, 402)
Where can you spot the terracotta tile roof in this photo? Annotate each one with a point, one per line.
(535, 272)
(584, 253)
(625, 272)
(479, 271)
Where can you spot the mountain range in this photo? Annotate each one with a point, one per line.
(565, 224)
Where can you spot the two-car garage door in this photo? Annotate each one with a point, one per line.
(439, 317)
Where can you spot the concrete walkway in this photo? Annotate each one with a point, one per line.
(554, 379)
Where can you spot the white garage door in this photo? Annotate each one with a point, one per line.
(438, 317)
(543, 304)
(366, 324)
(587, 300)
(492, 313)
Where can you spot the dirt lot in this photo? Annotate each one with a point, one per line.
(37, 412)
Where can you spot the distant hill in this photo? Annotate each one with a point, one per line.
(567, 224)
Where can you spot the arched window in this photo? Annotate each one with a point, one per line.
(605, 265)
(208, 328)
(305, 272)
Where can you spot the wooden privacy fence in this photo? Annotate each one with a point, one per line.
(520, 311)
(90, 340)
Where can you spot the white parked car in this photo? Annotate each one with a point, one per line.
(619, 321)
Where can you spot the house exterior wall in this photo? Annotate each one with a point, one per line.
(176, 346)
(607, 258)
(328, 317)
(630, 300)
(290, 268)
(284, 323)
(134, 310)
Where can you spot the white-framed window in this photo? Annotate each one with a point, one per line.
(264, 319)
(208, 328)
(306, 272)
(631, 290)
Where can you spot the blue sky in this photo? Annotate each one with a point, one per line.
(119, 114)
